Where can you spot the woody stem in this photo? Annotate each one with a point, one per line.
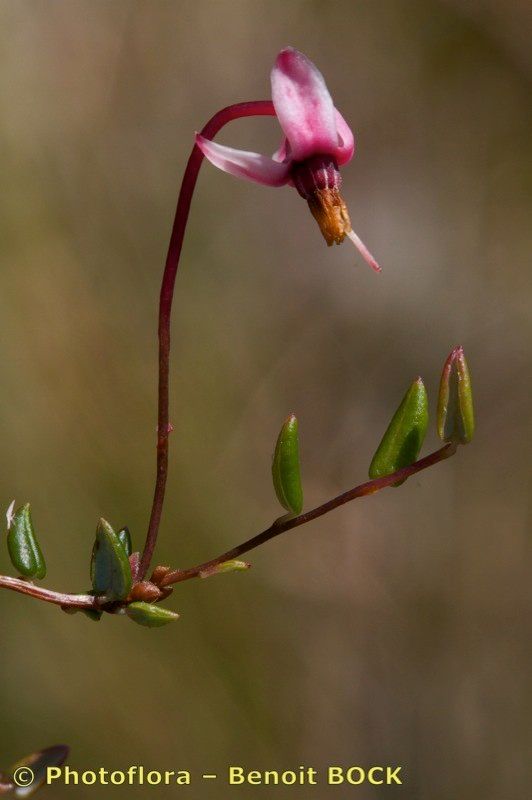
(58, 598)
(286, 524)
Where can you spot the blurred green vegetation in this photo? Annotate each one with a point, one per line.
(393, 631)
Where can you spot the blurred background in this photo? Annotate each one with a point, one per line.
(393, 631)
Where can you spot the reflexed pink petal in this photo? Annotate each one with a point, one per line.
(303, 105)
(243, 164)
(346, 140)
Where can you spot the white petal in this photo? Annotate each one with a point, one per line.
(251, 166)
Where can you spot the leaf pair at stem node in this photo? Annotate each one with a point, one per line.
(112, 578)
(401, 444)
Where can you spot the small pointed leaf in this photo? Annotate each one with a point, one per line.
(125, 540)
(24, 551)
(404, 436)
(150, 616)
(38, 763)
(286, 468)
(110, 568)
(225, 566)
(456, 415)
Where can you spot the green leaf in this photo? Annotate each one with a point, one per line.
(124, 537)
(225, 566)
(456, 415)
(38, 763)
(24, 551)
(404, 436)
(149, 615)
(286, 468)
(110, 569)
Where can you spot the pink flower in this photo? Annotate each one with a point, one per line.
(317, 140)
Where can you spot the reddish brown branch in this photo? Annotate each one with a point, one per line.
(286, 524)
(58, 598)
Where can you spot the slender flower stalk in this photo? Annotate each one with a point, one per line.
(215, 124)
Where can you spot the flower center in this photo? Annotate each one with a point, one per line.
(318, 180)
